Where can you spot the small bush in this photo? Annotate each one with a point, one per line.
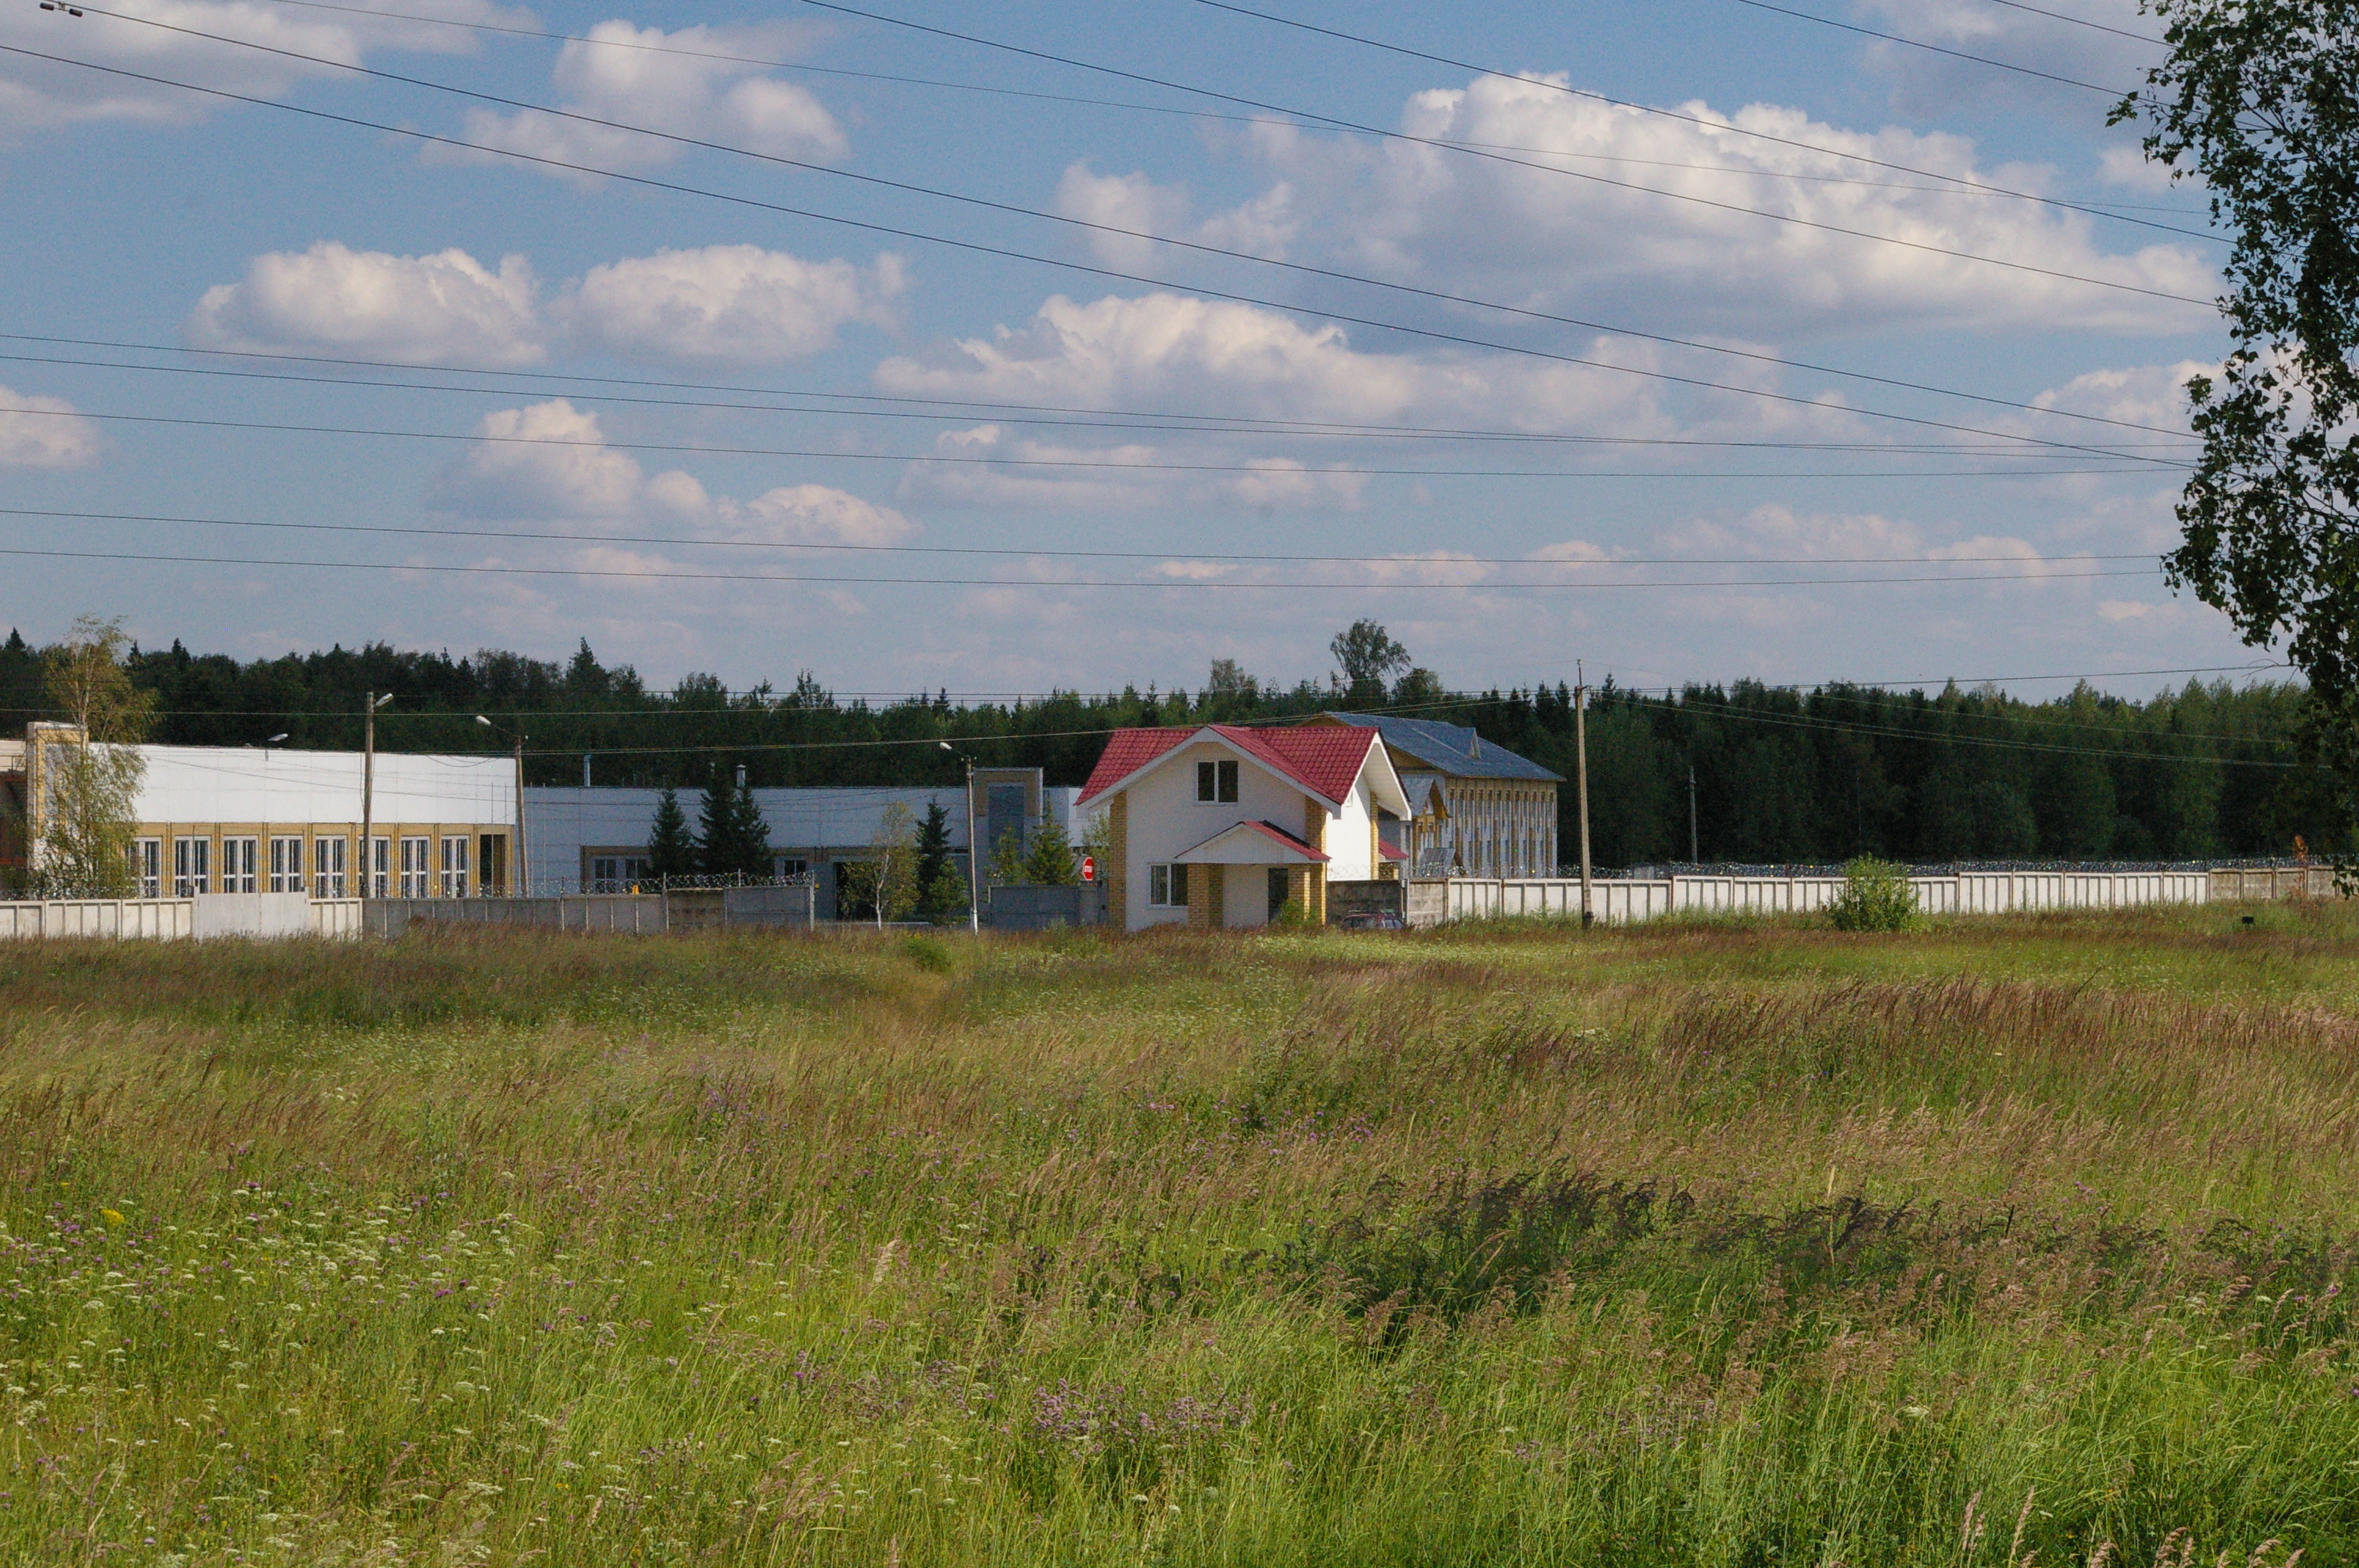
(928, 953)
(1875, 897)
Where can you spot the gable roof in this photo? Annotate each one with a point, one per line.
(1453, 748)
(1324, 760)
(1242, 843)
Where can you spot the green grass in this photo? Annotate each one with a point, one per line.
(1715, 1243)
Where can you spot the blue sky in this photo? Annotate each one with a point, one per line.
(569, 336)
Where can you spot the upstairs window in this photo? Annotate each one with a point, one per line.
(1216, 784)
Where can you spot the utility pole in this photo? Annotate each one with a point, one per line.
(1580, 777)
(368, 789)
(974, 862)
(1695, 850)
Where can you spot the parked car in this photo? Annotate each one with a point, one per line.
(1371, 920)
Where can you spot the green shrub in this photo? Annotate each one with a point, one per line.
(928, 953)
(1875, 897)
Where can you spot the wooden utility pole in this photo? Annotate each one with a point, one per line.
(522, 879)
(1580, 778)
(1695, 849)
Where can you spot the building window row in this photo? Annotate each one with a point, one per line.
(240, 867)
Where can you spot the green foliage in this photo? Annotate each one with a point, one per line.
(929, 953)
(2259, 101)
(885, 886)
(1007, 861)
(1050, 862)
(671, 848)
(732, 839)
(942, 892)
(84, 786)
(1876, 896)
(1364, 654)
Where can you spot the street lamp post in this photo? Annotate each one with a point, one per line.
(369, 786)
(521, 876)
(974, 862)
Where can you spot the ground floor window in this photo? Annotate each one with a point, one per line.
(192, 867)
(417, 873)
(1166, 887)
(328, 867)
(287, 865)
(618, 873)
(378, 861)
(454, 867)
(148, 867)
(238, 865)
(784, 868)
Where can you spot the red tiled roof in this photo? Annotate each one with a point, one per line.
(1389, 853)
(1324, 760)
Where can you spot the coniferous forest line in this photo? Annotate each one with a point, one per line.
(1781, 776)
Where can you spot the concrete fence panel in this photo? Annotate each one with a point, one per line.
(254, 915)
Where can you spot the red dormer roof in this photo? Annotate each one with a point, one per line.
(1324, 760)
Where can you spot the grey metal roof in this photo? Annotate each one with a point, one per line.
(1452, 749)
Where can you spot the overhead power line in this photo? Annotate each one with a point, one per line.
(2096, 208)
(976, 247)
(2113, 92)
(1043, 215)
(1265, 470)
(954, 413)
(1161, 583)
(1396, 559)
(1719, 126)
(2078, 21)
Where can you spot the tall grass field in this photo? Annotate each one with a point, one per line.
(2000, 1242)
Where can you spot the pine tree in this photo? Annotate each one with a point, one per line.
(671, 851)
(942, 892)
(1050, 862)
(716, 853)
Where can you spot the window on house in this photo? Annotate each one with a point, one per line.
(1166, 887)
(148, 867)
(1216, 784)
(454, 867)
(287, 865)
(618, 873)
(416, 873)
(192, 867)
(327, 868)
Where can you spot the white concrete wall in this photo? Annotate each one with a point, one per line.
(1970, 892)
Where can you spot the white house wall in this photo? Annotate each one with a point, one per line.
(1164, 818)
(236, 783)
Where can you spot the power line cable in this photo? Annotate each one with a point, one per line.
(1170, 583)
(1208, 421)
(1718, 126)
(961, 414)
(2079, 21)
(2096, 208)
(1045, 216)
(967, 459)
(979, 248)
(1389, 560)
(2113, 92)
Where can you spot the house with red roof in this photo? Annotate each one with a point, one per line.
(1221, 825)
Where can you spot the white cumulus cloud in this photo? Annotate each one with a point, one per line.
(43, 433)
(426, 310)
(734, 305)
(703, 83)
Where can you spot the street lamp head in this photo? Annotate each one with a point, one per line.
(276, 739)
(946, 746)
(383, 700)
(486, 722)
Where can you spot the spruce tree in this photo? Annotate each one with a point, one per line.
(941, 893)
(1050, 862)
(749, 835)
(716, 852)
(672, 850)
